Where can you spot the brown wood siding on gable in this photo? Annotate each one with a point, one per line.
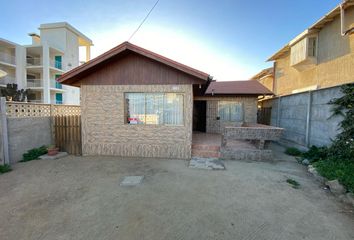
(133, 69)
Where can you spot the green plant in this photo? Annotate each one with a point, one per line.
(343, 144)
(13, 94)
(316, 153)
(332, 169)
(5, 168)
(293, 183)
(34, 153)
(293, 151)
(337, 161)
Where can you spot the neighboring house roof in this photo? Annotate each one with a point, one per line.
(263, 73)
(74, 74)
(248, 87)
(329, 17)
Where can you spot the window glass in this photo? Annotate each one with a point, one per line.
(154, 108)
(224, 111)
(173, 109)
(312, 46)
(135, 108)
(230, 111)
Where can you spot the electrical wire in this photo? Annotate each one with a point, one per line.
(131, 36)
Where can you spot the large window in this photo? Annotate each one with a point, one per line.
(230, 111)
(154, 108)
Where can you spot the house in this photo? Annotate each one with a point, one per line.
(138, 103)
(266, 78)
(320, 57)
(37, 66)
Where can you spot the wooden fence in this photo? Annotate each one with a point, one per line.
(67, 133)
(65, 122)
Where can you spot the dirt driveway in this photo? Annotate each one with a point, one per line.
(80, 198)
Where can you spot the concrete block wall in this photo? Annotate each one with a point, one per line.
(27, 133)
(318, 129)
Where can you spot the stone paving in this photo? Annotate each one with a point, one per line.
(206, 164)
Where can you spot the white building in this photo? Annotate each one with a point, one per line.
(53, 52)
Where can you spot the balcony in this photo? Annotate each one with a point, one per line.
(33, 62)
(34, 83)
(7, 58)
(7, 80)
(56, 86)
(35, 100)
(56, 64)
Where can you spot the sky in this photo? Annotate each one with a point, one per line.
(228, 39)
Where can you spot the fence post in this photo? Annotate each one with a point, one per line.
(308, 119)
(52, 124)
(278, 111)
(4, 135)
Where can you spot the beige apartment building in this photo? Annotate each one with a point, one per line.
(320, 57)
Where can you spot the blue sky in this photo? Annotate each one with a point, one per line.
(228, 39)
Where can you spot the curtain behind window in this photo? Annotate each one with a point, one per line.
(154, 108)
(135, 103)
(230, 111)
(173, 109)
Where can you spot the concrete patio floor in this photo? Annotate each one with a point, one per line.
(81, 198)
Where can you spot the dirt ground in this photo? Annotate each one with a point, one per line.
(80, 198)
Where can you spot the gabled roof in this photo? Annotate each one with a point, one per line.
(263, 73)
(74, 74)
(329, 17)
(248, 87)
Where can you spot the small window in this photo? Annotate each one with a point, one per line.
(230, 111)
(154, 108)
(312, 46)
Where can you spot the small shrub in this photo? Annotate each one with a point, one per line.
(5, 168)
(316, 153)
(293, 151)
(293, 183)
(34, 153)
(332, 169)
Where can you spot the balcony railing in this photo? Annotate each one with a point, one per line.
(56, 64)
(7, 80)
(8, 58)
(55, 84)
(32, 83)
(34, 61)
(35, 100)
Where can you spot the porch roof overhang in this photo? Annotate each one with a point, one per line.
(248, 87)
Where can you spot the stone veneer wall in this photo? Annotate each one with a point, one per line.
(104, 131)
(215, 126)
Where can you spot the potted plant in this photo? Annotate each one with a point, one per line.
(52, 150)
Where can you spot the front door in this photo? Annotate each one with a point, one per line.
(199, 116)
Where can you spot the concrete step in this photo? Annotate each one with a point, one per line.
(205, 153)
(205, 147)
